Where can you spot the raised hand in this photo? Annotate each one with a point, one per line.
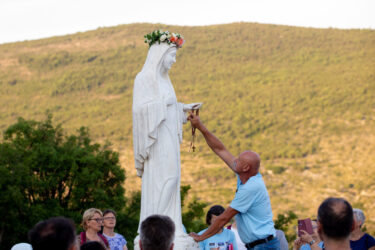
(194, 120)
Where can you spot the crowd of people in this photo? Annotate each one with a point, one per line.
(338, 225)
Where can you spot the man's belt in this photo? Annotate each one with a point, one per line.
(258, 242)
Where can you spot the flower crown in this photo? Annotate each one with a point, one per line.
(165, 37)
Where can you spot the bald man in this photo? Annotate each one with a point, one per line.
(251, 204)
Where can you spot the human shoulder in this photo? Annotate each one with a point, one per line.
(369, 240)
(117, 235)
(121, 238)
(253, 183)
(81, 238)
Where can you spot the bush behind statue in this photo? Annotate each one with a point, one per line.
(44, 173)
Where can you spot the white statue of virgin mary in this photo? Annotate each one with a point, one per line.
(157, 134)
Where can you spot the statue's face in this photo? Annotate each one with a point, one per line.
(170, 58)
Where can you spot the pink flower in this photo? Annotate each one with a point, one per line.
(180, 42)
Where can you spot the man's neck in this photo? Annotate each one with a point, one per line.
(109, 231)
(337, 245)
(244, 177)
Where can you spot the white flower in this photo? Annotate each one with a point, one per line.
(167, 32)
(173, 34)
(163, 37)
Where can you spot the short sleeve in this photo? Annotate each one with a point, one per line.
(123, 241)
(242, 201)
(370, 241)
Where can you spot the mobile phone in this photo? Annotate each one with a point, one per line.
(305, 225)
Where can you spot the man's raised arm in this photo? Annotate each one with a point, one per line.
(213, 142)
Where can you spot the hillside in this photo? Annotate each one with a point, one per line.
(303, 98)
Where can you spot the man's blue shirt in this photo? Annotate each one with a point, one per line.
(255, 219)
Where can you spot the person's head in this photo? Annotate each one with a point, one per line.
(169, 58)
(335, 219)
(157, 233)
(213, 213)
(92, 245)
(247, 162)
(92, 219)
(359, 217)
(160, 58)
(109, 218)
(55, 233)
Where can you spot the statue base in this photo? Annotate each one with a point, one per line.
(181, 242)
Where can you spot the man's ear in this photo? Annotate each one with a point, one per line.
(319, 226)
(246, 168)
(320, 230)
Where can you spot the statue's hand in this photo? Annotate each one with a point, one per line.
(192, 106)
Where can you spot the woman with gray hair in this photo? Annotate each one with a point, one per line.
(358, 239)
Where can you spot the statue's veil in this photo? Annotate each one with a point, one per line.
(155, 57)
(149, 110)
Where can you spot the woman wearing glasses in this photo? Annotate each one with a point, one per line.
(92, 222)
(116, 241)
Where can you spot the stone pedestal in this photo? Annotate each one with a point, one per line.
(181, 242)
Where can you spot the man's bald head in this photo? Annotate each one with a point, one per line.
(251, 159)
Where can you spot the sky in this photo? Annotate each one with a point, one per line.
(33, 19)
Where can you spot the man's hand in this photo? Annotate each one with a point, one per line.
(195, 236)
(194, 120)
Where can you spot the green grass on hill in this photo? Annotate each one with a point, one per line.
(303, 98)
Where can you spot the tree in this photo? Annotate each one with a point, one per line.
(283, 222)
(128, 219)
(193, 216)
(44, 173)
